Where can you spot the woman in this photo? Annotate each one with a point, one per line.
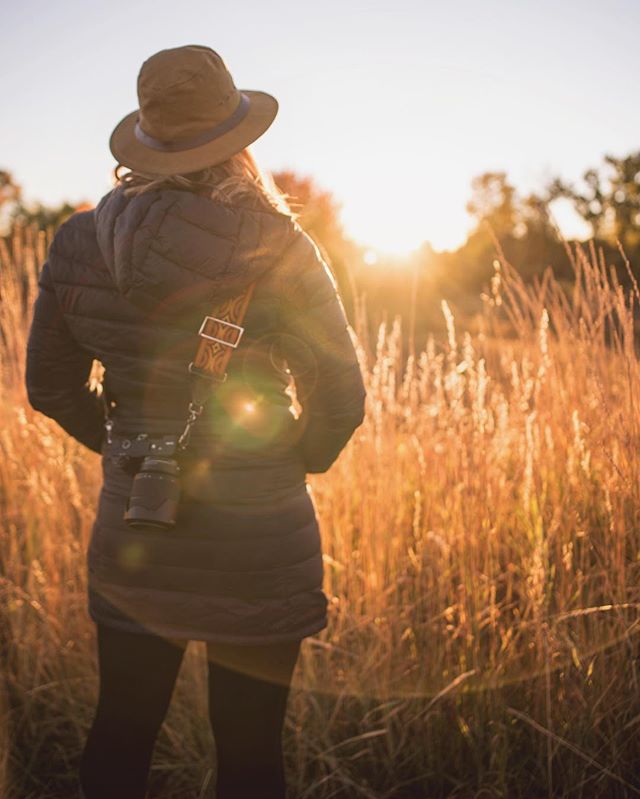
(192, 223)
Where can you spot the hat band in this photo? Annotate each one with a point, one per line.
(203, 138)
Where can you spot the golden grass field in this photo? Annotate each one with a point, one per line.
(482, 540)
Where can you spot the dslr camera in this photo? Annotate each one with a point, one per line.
(155, 492)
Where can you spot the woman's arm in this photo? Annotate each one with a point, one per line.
(58, 370)
(317, 343)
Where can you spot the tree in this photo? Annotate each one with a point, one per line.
(44, 216)
(609, 200)
(14, 210)
(319, 215)
(494, 201)
(10, 194)
(521, 226)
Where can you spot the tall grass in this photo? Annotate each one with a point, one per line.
(482, 540)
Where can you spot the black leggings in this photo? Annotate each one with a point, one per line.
(248, 690)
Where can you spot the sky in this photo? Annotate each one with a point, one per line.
(392, 106)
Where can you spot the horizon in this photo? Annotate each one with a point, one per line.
(423, 102)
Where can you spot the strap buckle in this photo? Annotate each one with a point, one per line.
(238, 331)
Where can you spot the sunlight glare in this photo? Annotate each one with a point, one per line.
(412, 211)
(370, 257)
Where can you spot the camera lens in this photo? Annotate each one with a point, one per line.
(155, 493)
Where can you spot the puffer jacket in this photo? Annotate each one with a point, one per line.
(128, 284)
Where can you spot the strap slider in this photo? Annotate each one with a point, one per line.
(209, 324)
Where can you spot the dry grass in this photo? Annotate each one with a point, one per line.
(482, 540)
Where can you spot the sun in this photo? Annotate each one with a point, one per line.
(397, 240)
(388, 228)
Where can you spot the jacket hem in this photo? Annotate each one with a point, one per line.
(221, 638)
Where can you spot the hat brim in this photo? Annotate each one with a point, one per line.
(130, 152)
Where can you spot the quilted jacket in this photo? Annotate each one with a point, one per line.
(128, 284)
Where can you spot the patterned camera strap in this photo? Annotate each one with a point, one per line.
(225, 323)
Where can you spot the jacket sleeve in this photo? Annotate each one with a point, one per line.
(318, 345)
(57, 371)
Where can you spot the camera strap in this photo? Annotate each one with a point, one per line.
(219, 336)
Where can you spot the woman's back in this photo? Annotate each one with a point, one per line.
(130, 284)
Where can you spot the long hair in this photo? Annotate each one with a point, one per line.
(234, 180)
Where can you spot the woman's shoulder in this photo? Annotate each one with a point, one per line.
(74, 240)
(223, 241)
(79, 226)
(303, 274)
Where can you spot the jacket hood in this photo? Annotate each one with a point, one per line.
(170, 249)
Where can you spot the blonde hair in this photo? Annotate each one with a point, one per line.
(236, 179)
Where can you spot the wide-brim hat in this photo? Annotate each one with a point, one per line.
(191, 115)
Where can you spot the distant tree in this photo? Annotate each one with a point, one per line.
(609, 200)
(521, 226)
(319, 215)
(494, 200)
(44, 216)
(14, 210)
(494, 204)
(10, 191)
(317, 209)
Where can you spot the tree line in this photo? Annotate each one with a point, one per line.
(607, 199)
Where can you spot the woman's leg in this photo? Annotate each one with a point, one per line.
(137, 676)
(248, 690)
